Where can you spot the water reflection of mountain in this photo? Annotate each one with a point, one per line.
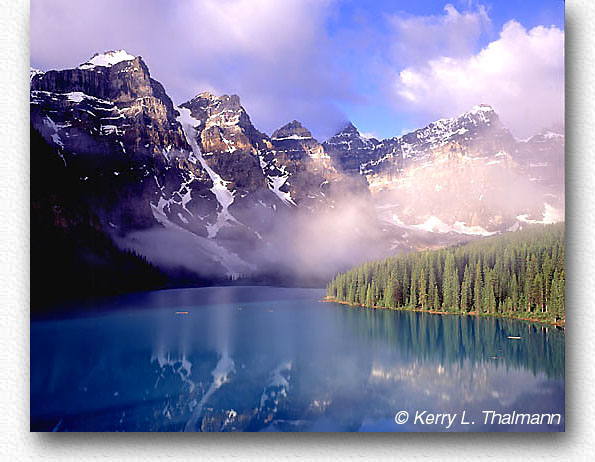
(397, 358)
(282, 364)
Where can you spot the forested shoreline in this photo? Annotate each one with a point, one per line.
(519, 274)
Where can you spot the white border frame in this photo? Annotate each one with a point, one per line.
(17, 443)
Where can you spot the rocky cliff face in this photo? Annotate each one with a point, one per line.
(479, 131)
(199, 187)
(116, 132)
(227, 146)
(116, 96)
(295, 142)
(114, 128)
(350, 150)
(313, 179)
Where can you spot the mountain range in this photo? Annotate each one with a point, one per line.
(195, 193)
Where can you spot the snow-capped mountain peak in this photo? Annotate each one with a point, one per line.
(33, 72)
(482, 108)
(107, 59)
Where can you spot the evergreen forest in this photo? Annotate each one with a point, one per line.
(519, 274)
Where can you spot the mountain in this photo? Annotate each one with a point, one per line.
(111, 124)
(197, 191)
(465, 176)
(350, 150)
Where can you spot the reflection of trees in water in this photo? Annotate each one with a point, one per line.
(452, 339)
(295, 366)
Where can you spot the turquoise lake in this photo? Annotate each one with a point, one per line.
(278, 359)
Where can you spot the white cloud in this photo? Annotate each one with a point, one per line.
(521, 74)
(420, 38)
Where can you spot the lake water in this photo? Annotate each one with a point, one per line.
(276, 359)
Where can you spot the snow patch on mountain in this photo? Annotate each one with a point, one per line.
(550, 215)
(479, 108)
(107, 59)
(224, 196)
(292, 137)
(462, 228)
(184, 194)
(276, 182)
(435, 225)
(33, 72)
(76, 96)
(55, 136)
(37, 97)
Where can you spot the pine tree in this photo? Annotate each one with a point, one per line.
(423, 290)
(389, 300)
(466, 295)
(369, 296)
(450, 285)
(478, 289)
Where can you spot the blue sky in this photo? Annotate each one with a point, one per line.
(388, 66)
(386, 119)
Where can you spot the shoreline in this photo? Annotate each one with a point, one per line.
(561, 324)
